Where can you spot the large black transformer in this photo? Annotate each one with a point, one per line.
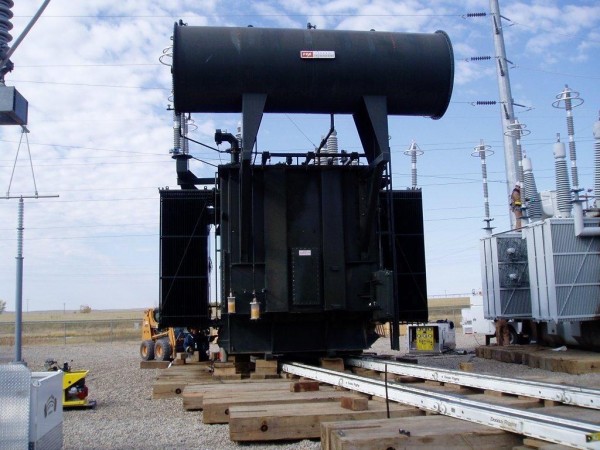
(314, 248)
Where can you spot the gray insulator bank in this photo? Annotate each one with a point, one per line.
(311, 71)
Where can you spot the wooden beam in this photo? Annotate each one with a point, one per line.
(299, 420)
(218, 405)
(415, 432)
(193, 394)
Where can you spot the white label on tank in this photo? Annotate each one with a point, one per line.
(317, 54)
(304, 252)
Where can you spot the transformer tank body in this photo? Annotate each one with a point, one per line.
(313, 251)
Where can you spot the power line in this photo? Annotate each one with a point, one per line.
(68, 238)
(145, 224)
(563, 74)
(113, 163)
(552, 31)
(93, 85)
(229, 15)
(78, 147)
(71, 275)
(451, 218)
(99, 200)
(21, 66)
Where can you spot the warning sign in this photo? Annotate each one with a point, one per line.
(425, 340)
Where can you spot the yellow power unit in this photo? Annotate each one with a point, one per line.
(75, 391)
(438, 337)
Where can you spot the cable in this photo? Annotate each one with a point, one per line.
(203, 145)
(87, 200)
(463, 179)
(91, 85)
(202, 161)
(553, 31)
(451, 218)
(118, 16)
(115, 163)
(86, 148)
(301, 132)
(89, 65)
(562, 74)
(68, 238)
(87, 226)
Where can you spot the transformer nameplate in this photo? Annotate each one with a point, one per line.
(317, 54)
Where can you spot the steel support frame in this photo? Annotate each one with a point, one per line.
(540, 426)
(570, 395)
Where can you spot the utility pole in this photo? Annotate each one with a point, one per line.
(506, 102)
(19, 280)
(13, 111)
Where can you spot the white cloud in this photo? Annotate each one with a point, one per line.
(550, 27)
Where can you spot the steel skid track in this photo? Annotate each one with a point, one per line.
(570, 395)
(549, 428)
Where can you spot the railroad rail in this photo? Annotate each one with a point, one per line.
(576, 434)
(570, 395)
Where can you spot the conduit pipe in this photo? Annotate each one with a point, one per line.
(580, 229)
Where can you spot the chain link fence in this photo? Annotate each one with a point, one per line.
(71, 332)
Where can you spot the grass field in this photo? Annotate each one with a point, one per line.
(62, 327)
(73, 316)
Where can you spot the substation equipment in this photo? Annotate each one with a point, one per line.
(314, 248)
(546, 274)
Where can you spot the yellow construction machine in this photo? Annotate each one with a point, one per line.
(75, 391)
(157, 343)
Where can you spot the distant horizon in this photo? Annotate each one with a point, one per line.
(60, 311)
(75, 310)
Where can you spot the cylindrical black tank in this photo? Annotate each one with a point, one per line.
(311, 71)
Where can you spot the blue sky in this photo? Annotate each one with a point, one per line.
(100, 133)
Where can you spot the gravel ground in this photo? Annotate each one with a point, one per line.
(126, 417)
